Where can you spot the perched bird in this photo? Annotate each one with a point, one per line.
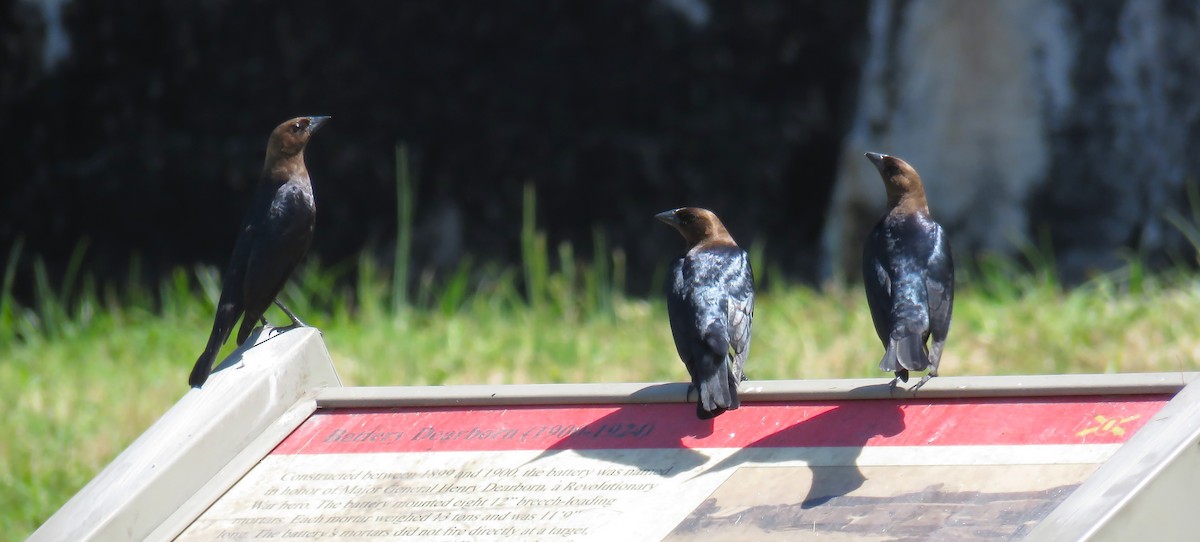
(275, 234)
(909, 275)
(710, 301)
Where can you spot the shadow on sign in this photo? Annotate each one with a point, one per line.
(846, 423)
(630, 420)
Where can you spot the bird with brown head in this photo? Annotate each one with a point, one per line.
(275, 234)
(908, 274)
(710, 302)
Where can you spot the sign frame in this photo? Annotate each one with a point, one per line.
(293, 370)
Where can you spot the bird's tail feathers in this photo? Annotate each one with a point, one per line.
(717, 392)
(222, 326)
(907, 352)
(201, 369)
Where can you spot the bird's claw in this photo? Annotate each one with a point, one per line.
(272, 331)
(296, 322)
(918, 385)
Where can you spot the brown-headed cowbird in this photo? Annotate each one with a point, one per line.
(909, 275)
(275, 234)
(710, 301)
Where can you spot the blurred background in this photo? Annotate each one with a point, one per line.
(134, 131)
(487, 186)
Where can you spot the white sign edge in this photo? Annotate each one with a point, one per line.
(195, 439)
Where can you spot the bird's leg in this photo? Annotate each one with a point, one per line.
(295, 321)
(924, 379)
(692, 388)
(267, 328)
(892, 386)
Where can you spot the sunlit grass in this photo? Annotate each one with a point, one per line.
(81, 389)
(85, 369)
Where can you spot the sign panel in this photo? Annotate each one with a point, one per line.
(948, 468)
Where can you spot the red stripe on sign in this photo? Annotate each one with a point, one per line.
(952, 422)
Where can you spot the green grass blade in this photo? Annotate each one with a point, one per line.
(406, 195)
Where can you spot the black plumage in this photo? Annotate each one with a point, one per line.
(275, 234)
(710, 302)
(908, 272)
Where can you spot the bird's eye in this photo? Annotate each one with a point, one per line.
(300, 125)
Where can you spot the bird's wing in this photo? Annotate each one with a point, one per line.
(681, 311)
(878, 284)
(278, 245)
(700, 321)
(939, 283)
(235, 272)
(741, 313)
(229, 307)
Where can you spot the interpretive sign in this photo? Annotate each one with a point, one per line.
(275, 448)
(917, 468)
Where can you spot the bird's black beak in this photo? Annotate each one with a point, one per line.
(876, 159)
(316, 122)
(668, 217)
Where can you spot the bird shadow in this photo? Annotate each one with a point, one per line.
(830, 443)
(260, 335)
(629, 421)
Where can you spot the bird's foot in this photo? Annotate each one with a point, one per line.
(918, 385)
(892, 386)
(269, 331)
(295, 321)
(267, 328)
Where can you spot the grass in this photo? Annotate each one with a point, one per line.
(84, 378)
(86, 368)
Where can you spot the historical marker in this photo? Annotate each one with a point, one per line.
(273, 448)
(917, 468)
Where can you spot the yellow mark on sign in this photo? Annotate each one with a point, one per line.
(1105, 424)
